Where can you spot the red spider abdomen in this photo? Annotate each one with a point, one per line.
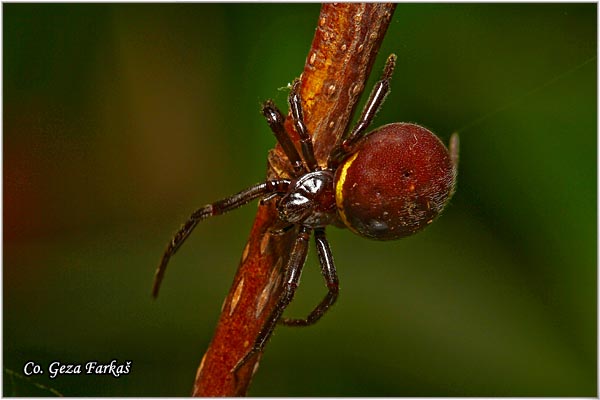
(396, 182)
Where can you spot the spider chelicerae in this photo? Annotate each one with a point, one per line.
(385, 184)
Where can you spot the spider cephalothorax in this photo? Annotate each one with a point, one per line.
(385, 184)
(310, 200)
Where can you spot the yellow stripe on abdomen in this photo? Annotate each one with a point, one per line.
(339, 187)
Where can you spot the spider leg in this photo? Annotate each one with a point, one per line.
(276, 122)
(376, 98)
(292, 278)
(306, 143)
(453, 149)
(280, 228)
(217, 208)
(330, 275)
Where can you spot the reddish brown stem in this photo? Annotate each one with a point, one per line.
(338, 64)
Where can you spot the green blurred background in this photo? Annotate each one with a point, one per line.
(121, 119)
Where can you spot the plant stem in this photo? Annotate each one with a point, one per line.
(343, 50)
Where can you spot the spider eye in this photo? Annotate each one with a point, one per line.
(396, 183)
(294, 207)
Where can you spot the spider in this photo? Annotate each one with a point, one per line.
(383, 185)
